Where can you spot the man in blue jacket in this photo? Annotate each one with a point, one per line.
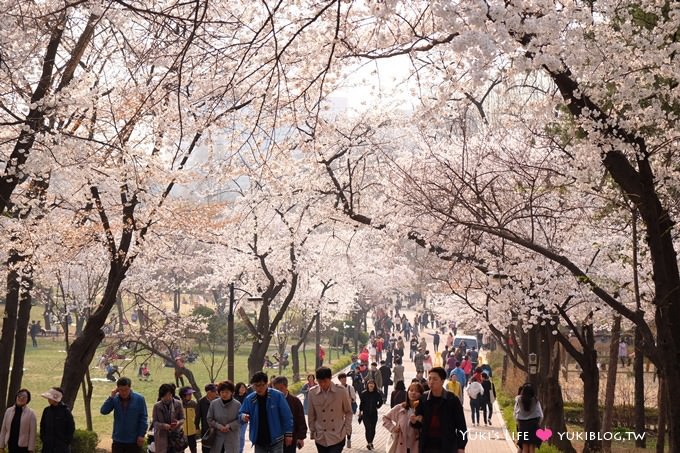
(270, 417)
(129, 417)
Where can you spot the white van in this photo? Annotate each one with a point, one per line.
(470, 342)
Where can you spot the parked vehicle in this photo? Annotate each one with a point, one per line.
(470, 341)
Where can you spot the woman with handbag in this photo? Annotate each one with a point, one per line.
(223, 419)
(404, 437)
(371, 400)
(168, 422)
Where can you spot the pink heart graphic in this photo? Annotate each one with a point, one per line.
(544, 434)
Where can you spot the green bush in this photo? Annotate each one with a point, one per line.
(83, 442)
(338, 365)
(341, 363)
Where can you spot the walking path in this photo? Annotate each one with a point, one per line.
(482, 439)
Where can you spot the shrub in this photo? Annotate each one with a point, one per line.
(84, 441)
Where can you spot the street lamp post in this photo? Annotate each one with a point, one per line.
(230, 335)
(317, 362)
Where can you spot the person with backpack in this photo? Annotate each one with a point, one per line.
(475, 392)
(342, 377)
(186, 395)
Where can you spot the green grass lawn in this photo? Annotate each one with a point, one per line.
(44, 366)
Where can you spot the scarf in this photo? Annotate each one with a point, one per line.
(15, 427)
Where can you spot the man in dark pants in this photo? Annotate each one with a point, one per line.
(299, 421)
(440, 417)
(56, 424)
(386, 375)
(270, 418)
(201, 420)
(129, 417)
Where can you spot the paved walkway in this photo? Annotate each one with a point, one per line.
(482, 439)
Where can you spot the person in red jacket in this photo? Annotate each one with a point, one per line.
(466, 366)
(322, 355)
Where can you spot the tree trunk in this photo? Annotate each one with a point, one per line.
(190, 377)
(554, 413)
(661, 424)
(121, 312)
(551, 390)
(9, 328)
(294, 349)
(304, 355)
(25, 303)
(256, 356)
(82, 350)
(87, 389)
(640, 185)
(591, 410)
(607, 418)
(47, 314)
(176, 301)
(639, 372)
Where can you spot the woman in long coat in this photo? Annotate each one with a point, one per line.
(168, 415)
(223, 417)
(398, 421)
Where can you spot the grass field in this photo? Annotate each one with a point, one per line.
(44, 366)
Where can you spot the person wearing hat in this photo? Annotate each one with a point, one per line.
(186, 394)
(56, 424)
(17, 433)
(201, 418)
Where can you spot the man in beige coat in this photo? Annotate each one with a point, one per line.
(329, 413)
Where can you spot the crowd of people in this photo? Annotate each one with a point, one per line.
(426, 412)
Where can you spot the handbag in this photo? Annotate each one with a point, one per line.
(177, 440)
(208, 438)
